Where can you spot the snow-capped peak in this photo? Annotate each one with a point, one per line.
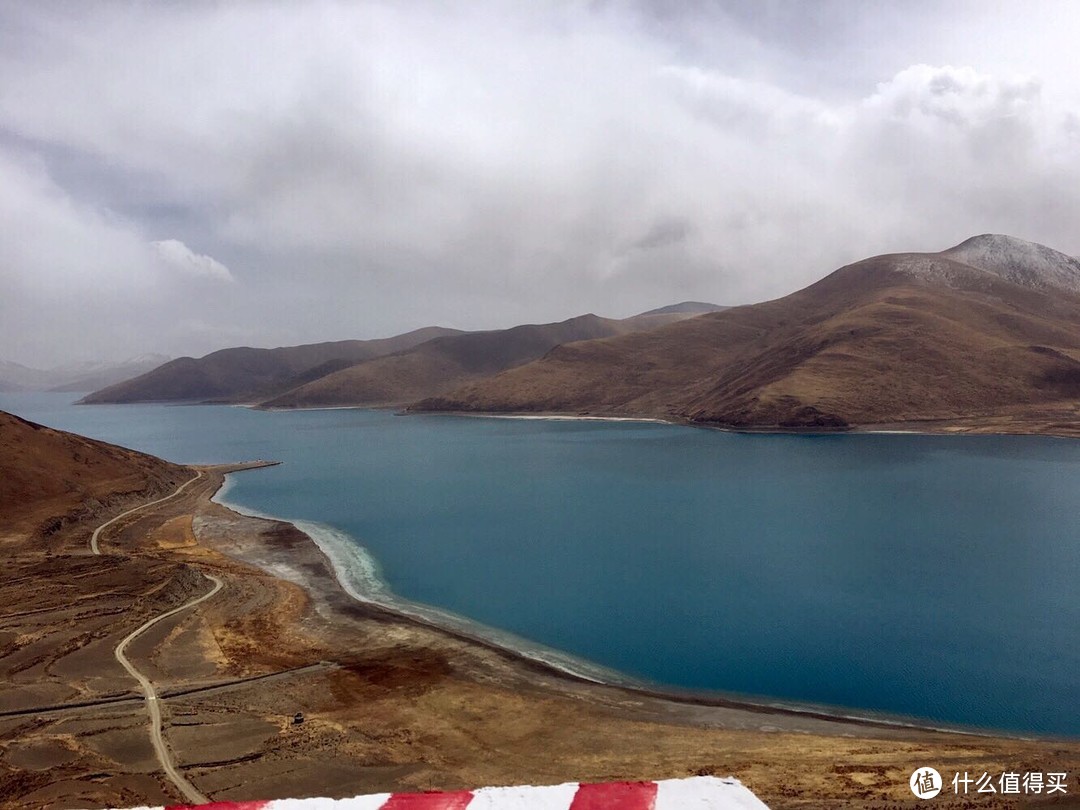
(1028, 264)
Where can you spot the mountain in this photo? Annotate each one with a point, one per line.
(686, 308)
(245, 374)
(989, 328)
(17, 377)
(442, 364)
(92, 376)
(48, 476)
(85, 376)
(1026, 263)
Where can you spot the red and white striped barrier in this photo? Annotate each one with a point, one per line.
(695, 793)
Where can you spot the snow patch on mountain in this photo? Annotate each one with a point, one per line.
(934, 269)
(1025, 263)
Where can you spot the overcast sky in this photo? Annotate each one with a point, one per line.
(178, 177)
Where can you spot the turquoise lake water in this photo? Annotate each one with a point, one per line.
(931, 577)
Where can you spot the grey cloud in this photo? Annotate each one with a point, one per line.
(664, 233)
(363, 169)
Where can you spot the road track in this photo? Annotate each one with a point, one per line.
(153, 707)
(97, 532)
(170, 694)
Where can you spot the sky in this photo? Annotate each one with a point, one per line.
(179, 177)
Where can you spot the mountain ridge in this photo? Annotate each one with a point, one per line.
(243, 373)
(1020, 261)
(441, 364)
(893, 338)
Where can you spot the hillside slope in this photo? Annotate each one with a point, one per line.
(445, 363)
(243, 374)
(896, 338)
(48, 476)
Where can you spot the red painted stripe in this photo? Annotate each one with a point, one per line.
(615, 796)
(220, 806)
(454, 800)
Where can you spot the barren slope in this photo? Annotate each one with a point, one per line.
(48, 477)
(242, 374)
(897, 338)
(445, 363)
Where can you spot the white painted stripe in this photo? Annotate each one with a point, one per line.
(553, 797)
(694, 793)
(370, 802)
(705, 793)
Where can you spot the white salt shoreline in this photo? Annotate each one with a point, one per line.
(357, 572)
(338, 548)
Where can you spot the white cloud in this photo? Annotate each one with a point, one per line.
(366, 168)
(733, 100)
(955, 95)
(54, 245)
(81, 281)
(178, 256)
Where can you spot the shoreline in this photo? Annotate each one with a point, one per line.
(920, 427)
(386, 702)
(427, 615)
(1050, 424)
(283, 684)
(581, 671)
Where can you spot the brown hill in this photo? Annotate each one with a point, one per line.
(445, 363)
(48, 477)
(244, 374)
(686, 308)
(897, 338)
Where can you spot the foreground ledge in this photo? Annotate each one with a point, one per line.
(694, 793)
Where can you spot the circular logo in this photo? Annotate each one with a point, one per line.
(925, 783)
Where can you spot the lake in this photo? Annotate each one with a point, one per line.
(922, 576)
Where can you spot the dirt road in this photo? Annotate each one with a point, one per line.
(152, 703)
(153, 708)
(96, 549)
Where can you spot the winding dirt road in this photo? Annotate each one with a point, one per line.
(152, 702)
(97, 532)
(153, 708)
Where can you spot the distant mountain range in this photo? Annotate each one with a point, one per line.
(443, 364)
(250, 375)
(87, 376)
(392, 371)
(987, 330)
(984, 335)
